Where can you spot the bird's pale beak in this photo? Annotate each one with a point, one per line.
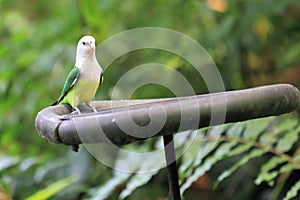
(92, 45)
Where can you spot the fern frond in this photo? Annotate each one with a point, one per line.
(236, 129)
(254, 128)
(220, 153)
(136, 181)
(265, 171)
(199, 149)
(104, 191)
(273, 136)
(293, 191)
(286, 142)
(192, 156)
(253, 154)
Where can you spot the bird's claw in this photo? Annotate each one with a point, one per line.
(76, 111)
(92, 107)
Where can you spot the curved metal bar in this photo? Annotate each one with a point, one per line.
(56, 124)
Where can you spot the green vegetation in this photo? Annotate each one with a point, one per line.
(252, 43)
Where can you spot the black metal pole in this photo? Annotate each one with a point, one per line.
(171, 167)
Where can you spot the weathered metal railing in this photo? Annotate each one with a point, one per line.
(115, 119)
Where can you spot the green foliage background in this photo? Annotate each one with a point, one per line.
(252, 42)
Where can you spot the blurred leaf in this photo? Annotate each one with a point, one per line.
(255, 127)
(288, 167)
(136, 181)
(191, 156)
(220, 153)
(223, 30)
(263, 27)
(253, 154)
(174, 62)
(54, 188)
(104, 191)
(49, 167)
(265, 171)
(286, 142)
(7, 162)
(145, 172)
(286, 125)
(235, 130)
(28, 163)
(290, 56)
(293, 191)
(291, 166)
(92, 14)
(239, 149)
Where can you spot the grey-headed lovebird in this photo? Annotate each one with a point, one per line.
(84, 79)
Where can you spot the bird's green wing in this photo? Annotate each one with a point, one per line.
(69, 84)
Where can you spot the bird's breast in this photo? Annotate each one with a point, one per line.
(91, 73)
(88, 83)
(85, 90)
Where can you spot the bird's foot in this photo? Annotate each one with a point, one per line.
(69, 116)
(92, 107)
(76, 111)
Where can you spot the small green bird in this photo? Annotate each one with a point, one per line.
(84, 79)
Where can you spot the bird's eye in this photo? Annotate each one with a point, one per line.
(83, 43)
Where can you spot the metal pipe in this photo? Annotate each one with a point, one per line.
(119, 122)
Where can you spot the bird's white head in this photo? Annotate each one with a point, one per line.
(86, 45)
(85, 49)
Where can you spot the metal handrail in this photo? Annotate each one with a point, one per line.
(56, 124)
